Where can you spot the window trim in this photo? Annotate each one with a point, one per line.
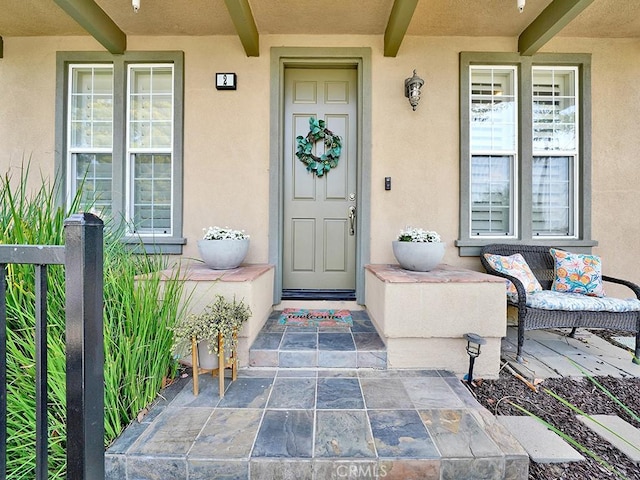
(470, 246)
(151, 243)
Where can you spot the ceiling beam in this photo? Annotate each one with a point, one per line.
(552, 19)
(397, 25)
(242, 18)
(95, 21)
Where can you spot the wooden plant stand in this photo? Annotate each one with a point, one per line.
(232, 363)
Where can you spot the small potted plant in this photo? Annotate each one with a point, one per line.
(418, 250)
(223, 248)
(220, 320)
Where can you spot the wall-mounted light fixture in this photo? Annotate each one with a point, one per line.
(226, 81)
(521, 5)
(474, 341)
(136, 5)
(412, 86)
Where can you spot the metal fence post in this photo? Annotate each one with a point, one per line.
(85, 346)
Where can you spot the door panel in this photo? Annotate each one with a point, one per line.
(304, 239)
(335, 235)
(318, 246)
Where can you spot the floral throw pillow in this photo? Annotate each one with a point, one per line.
(577, 273)
(516, 266)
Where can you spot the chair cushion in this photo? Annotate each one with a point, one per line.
(577, 273)
(516, 266)
(574, 302)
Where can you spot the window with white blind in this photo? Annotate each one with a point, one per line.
(555, 150)
(120, 131)
(525, 165)
(150, 145)
(493, 143)
(90, 134)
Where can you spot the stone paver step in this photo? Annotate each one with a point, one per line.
(542, 445)
(316, 425)
(622, 435)
(357, 346)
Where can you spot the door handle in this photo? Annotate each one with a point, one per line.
(352, 220)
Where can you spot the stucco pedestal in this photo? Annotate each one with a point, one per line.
(422, 316)
(252, 283)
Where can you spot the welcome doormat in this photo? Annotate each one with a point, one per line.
(303, 317)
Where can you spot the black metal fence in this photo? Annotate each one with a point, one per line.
(82, 256)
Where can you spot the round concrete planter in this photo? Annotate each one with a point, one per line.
(223, 254)
(418, 256)
(206, 360)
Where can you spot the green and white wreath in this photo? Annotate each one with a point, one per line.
(332, 146)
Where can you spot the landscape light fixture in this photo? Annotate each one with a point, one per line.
(412, 86)
(474, 341)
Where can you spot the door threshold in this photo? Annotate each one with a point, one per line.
(318, 294)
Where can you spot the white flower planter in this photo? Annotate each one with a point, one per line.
(210, 361)
(206, 360)
(223, 254)
(418, 256)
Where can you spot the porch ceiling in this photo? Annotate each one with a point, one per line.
(597, 18)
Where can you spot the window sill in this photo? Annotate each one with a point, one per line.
(155, 245)
(472, 247)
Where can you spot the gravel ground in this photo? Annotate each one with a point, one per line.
(497, 395)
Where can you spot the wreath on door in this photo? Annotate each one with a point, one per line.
(332, 148)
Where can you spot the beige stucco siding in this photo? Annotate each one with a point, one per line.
(226, 136)
(615, 152)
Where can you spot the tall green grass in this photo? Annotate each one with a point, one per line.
(138, 354)
(136, 316)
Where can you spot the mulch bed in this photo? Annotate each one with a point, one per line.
(496, 396)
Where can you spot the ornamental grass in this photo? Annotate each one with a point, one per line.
(137, 317)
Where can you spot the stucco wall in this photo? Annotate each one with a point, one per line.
(226, 138)
(615, 152)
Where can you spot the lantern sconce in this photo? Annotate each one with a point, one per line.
(412, 88)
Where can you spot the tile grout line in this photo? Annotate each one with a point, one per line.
(255, 437)
(365, 409)
(315, 422)
(186, 456)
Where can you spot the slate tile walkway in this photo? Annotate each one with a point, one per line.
(329, 347)
(317, 422)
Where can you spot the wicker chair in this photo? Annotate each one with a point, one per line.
(541, 263)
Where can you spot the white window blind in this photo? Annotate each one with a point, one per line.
(90, 134)
(552, 195)
(555, 151)
(491, 194)
(150, 145)
(493, 147)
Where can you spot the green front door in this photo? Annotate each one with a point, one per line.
(319, 241)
